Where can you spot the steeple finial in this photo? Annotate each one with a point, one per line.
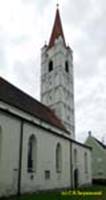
(57, 5)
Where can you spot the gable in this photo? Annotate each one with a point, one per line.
(95, 144)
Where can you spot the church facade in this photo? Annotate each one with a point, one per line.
(38, 150)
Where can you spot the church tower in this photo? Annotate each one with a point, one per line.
(57, 76)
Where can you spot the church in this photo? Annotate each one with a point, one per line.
(38, 149)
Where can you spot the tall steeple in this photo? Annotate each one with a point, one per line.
(57, 30)
(57, 76)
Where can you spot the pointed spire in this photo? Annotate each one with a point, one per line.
(57, 29)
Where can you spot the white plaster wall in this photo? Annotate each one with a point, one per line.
(31, 118)
(46, 147)
(9, 154)
(84, 178)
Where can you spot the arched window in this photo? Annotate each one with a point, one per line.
(66, 66)
(86, 162)
(32, 154)
(58, 158)
(0, 141)
(75, 157)
(50, 65)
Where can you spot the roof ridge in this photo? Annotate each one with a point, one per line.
(28, 95)
(16, 97)
(99, 142)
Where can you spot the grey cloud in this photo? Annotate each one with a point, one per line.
(2, 58)
(91, 108)
(27, 76)
(19, 39)
(3, 46)
(76, 12)
(90, 43)
(41, 4)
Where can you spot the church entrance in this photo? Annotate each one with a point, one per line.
(76, 178)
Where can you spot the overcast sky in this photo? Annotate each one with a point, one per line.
(25, 25)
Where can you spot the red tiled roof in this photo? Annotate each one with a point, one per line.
(15, 97)
(57, 30)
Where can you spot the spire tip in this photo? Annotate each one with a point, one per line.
(57, 5)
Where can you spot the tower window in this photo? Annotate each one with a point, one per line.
(31, 165)
(75, 157)
(58, 158)
(50, 65)
(86, 162)
(66, 66)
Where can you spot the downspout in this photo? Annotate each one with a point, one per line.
(20, 159)
(71, 164)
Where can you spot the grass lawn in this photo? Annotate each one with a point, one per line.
(90, 193)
